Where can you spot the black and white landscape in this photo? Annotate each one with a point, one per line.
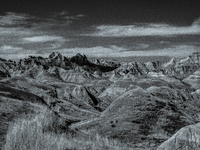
(139, 104)
(99, 75)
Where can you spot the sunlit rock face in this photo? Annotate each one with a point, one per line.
(183, 66)
(100, 69)
(187, 138)
(137, 68)
(143, 104)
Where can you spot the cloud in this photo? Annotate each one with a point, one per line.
(13, 19)
(8, 49)
(26, 34)
(13, 31)
(114, 51)
(18, 19)
(24, 28)
(144, 29)
(98, 51)
(17, 57)
(15, 26)
(54, 46)
(174, 51)
(36, 23)
(45, 38)
(141, 46)
(67, 16)
(30, 32)
(81, 16)
(196, 22)
(164, 42)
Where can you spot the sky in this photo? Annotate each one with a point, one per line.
(99, 28)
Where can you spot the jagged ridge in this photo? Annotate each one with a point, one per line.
(173, 67)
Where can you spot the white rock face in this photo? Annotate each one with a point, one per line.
(187, 138)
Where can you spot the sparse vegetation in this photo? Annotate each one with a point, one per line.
(41, 132)
(74, 103)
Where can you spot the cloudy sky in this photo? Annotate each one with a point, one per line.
(99, 28)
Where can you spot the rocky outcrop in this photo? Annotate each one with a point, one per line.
(57, 60)
(139, 69)
(7, 68)
(183, 66)
(79, 59)
(187, 138)
(193, 80)
(175, 66)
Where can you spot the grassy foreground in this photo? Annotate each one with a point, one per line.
(45, 132)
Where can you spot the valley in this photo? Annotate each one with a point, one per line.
(142, 105)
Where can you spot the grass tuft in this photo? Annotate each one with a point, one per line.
(41, 133)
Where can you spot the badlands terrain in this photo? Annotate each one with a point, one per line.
(126, 105)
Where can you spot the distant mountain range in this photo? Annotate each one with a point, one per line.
(173, 67)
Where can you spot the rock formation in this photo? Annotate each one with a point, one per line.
(187, 138)
(143, 104)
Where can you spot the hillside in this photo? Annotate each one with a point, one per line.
(136, 103)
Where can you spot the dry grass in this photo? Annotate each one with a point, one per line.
(11, 109)
(41, 133)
